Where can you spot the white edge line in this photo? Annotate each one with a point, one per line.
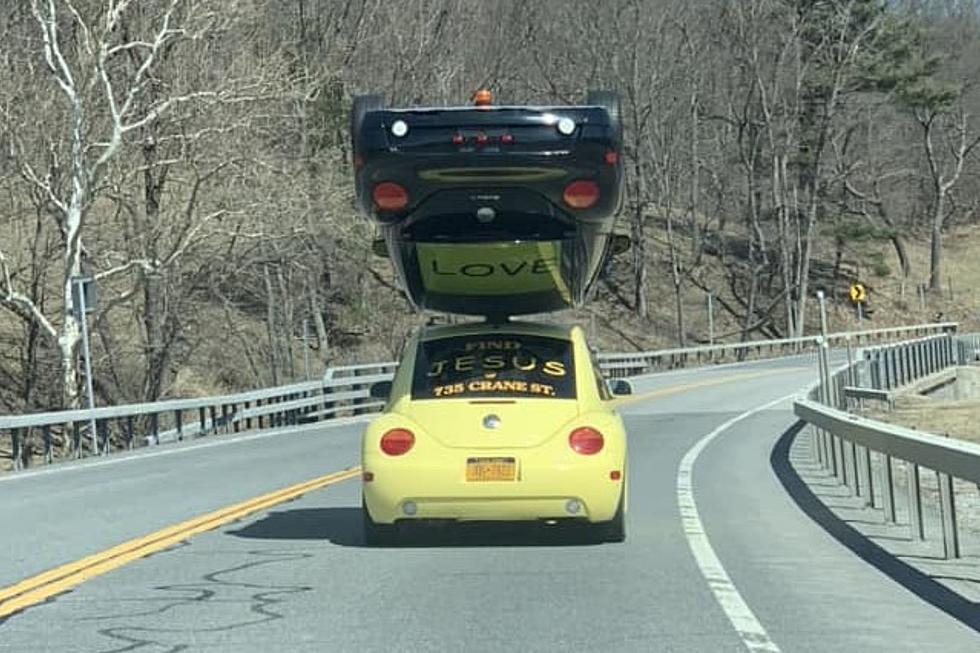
(156, 452)
(748, 627)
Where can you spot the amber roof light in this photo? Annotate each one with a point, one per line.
(483, 98)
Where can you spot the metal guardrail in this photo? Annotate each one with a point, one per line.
(634, 364)
(342, 390)
(843, 443)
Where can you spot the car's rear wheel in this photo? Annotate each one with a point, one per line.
(376, 534)
(614, 530)
(611, 102)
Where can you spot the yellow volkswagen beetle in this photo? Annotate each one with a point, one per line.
(504, 421)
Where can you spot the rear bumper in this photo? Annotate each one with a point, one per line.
(538, 493)
(531, 181)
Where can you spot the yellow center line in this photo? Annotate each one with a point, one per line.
(60, 579)
(697, 385)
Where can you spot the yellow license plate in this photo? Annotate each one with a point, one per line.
(491, 469)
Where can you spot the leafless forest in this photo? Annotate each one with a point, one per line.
(192, 156)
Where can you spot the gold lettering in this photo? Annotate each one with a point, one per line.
(525, 367)
(554, 368)
(494, 362)
(464, 363)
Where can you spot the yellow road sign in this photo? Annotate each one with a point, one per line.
(858, 293)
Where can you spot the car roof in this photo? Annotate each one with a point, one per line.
(495, 107)
(512, 327)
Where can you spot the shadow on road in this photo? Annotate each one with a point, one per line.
(342, 526)
(921, 584)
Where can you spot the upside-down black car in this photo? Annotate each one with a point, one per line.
(492, 210)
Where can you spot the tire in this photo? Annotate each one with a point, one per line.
(362, 105)
(377, 534)
(611, 102)
(614, 530)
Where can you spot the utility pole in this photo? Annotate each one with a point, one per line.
(711, 320)
(81, 286)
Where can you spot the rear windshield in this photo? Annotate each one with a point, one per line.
(497, 365)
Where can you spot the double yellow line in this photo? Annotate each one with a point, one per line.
(697, 385)
(38, 588)
(60, 579)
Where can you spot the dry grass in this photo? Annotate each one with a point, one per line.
(955, 418)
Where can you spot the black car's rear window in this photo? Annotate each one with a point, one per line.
(494, 365)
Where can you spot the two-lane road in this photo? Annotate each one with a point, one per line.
(297, 577)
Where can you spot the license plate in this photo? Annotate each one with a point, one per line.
(491, 469)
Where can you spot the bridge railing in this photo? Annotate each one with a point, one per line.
(646, 362)
(342, 391)
(863, 454)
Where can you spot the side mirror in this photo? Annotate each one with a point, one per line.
(621, 387)
(379, 247)
(380, 390)
(619, 244)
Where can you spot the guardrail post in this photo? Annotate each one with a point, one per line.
(923, 358)
(76, 440)
(816, 453)
(824, 389)
(214, 421)
(129, 432)
(102, 427)
(892, 357)
(887, 488)
(357, 401)
(15, 449)
(867, 482)
(202, 418)
(179, 420)
(46, 439)
(155, 427)
(916, 526)
(947, 507)
(917, 361)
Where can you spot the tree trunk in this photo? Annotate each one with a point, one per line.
(155, 316)
(639, 264)
(675, 271)
(68, 347)
(803, 276)
(321, 328)
(903, 257)
(936, 246)
(270, 325)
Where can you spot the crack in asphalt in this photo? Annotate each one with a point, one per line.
(216, 589)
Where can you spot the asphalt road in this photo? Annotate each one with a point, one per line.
(298, 578)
